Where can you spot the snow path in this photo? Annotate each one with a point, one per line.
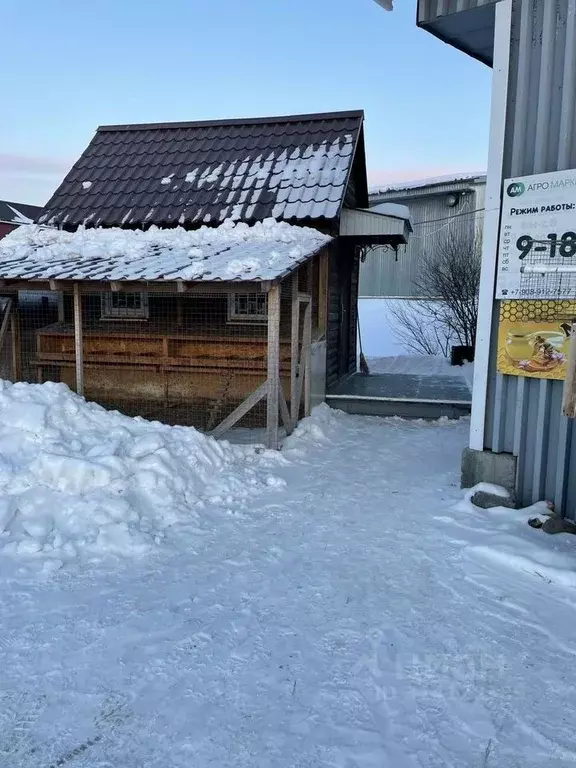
(349, 620)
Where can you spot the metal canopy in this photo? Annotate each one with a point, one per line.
(467, 25)
(374, 227)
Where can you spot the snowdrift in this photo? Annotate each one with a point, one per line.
(78, 480)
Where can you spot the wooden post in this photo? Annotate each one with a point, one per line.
(273, 366)
(16, 348)
(294, 349)
(5, 320)
(323, 294)
(78, 351)
(307, 355)
(569, 399)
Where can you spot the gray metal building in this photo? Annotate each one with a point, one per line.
(531, 45)
(449, 205)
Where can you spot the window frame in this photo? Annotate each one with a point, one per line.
(108, 312)
(234, 317)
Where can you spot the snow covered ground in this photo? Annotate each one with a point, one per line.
(350, 611)
(421, 365)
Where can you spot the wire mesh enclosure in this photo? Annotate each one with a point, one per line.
(214, 359)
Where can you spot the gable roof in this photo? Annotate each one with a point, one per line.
(18, 213)
(232, 252)
(289, 168)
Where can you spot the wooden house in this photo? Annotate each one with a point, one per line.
(207, 273)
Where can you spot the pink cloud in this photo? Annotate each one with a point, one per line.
(33, 165)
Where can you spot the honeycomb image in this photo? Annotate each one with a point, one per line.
(520, 318)
(537, 310)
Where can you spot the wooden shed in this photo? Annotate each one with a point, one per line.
(205, 273)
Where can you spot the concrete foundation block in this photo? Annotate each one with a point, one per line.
(487, 467)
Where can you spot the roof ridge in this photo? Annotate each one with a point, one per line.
(358, 113)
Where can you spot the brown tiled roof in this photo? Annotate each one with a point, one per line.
(289, 168)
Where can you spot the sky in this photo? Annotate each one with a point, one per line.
(67, 66)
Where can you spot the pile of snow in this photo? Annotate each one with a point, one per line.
(232, 251)
(78, 480)
(503, 540)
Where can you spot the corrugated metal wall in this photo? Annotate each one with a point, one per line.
(524, 415)
(428, 10)
(385, 273)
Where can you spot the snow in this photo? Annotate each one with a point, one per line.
(320, 169)
(421, 365)
(19, 217)
(377, 328)
(364, 615)
(80, 481)
(392, 209)
(86, 184)
(450, 178)
(166, 179)
(233, 251)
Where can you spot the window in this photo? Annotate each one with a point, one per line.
(247, 307)
(121, 305)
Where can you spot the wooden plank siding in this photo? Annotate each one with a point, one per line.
(343, 278)
(333, 327)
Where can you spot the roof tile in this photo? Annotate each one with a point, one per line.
(282, 167)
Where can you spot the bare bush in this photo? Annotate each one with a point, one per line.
(448, 284)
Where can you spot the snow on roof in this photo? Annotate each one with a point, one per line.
(451, 178)
(392, 209)
(265, 251)
(18, 213)
(292, 168)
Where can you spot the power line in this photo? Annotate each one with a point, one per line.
(454, 216)
(448, 223)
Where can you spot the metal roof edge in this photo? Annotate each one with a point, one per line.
(359, 114)
(427, 190)
(360, 142)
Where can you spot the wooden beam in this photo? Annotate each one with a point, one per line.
(5, 320)
(287, 421)
(241, 410)
(307, 355)
(323, 294)
(181, 286)
(61, 314)
(294, 348)
(136, 286)
(273, 366)
(16, 346)
(306, 345)
(78, 351)
(115, 286)
(569, 398)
